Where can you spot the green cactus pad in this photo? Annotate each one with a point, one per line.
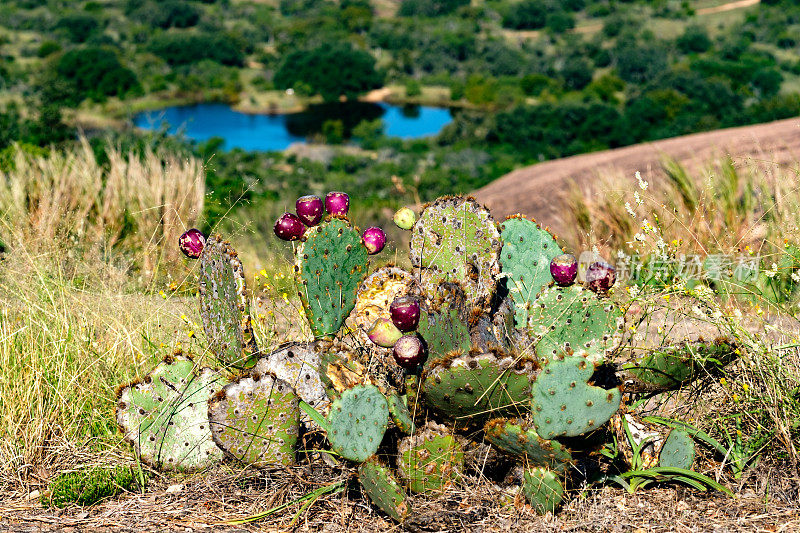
(521, 441)
(330, 264)
(574, 320)
(475, 387)
(444, 333)
(358, 420)
(224, 308)
(165, 416)
(383, 489)
(297, 364)
(525, 257)
(256, 420)
(564, 404)
(670, 367)
(400, 414)
(543, 489)
(455, 239)
(430, 460)
(678, 450)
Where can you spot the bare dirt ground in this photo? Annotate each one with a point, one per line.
(214, 501)
(540, 190)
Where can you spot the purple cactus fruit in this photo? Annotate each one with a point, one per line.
(600, 277)
(405, 313)
(405, 218)
(309, 209)
(564, 269)
(374, 239)
(288, 227)
(409, 351)
(384, 333)
(191, 243)
(337, 203)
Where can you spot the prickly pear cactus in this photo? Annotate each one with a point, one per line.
(678, 450)
(256, 420)
(330, 264)
(401, 416)
(670, 367)
(574, 320)
(430, 460)
(456, 239)
(358, 420)
(525, 257)
(224, 308)
(165, 415)
(543, 489)
(383, 489)
(474, 387)
(564, 404)
(297, 364)
(517, 439)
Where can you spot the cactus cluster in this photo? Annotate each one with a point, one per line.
(485, 339)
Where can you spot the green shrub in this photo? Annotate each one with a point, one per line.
(331, 70)
(185, 48)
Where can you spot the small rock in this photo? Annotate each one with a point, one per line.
(33, 495)
(174, 489)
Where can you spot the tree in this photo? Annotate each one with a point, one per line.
(695, 39)
(527, 15)
(186, 48)
(89, 72)
(429, 8)
(78, 27)
(330, 70)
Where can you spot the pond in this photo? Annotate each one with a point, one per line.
(276, 132)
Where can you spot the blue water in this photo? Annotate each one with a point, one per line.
(276, 132)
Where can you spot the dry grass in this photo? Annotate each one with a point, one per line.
(133, 206)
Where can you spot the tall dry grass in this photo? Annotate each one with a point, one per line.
(135, 207)
(78, 237)
(722, 208)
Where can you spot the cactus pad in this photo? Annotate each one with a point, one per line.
(669, 367)
(574, 320)
(455, 239)
(444, 333)
(678, 450)
(564, 404)
(383, 489)
(358, 420)
(479, 386)
(298, 365)
(543, 490)
(256, 420)
(376, 293)
(400, 414)
(330, 264)
(224, 308)
(165, 416)
(525, 257)
(430, 460)
(519, 440)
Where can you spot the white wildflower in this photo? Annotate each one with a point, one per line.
(796, 276)
(637, 198)
(772, 272)
(629, 209)
(642, 184)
